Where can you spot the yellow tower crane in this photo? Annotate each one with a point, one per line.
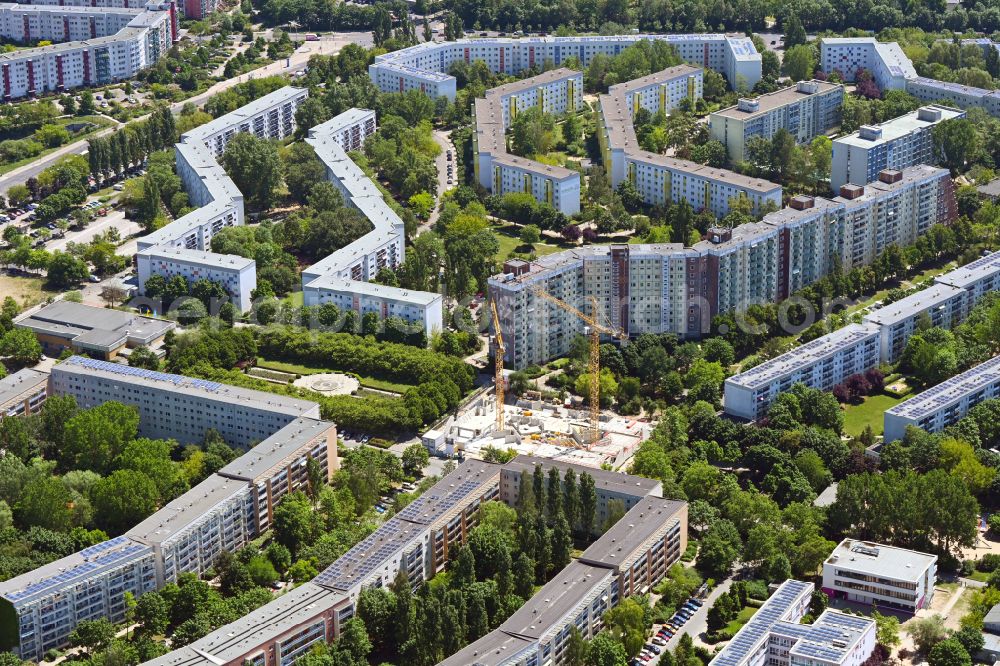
(498, 361)
(595, 329)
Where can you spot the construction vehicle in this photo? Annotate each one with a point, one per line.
(498, 363)
(594, 331)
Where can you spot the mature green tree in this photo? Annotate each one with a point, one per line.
(294, 526)
(44, 502)
(949, 652)
(626, 623)
(927, 632)
(94, 437)
(302, 170)
(800, 62)
(255, 167)
(415, 458)
(122, 500)
(606, 651)
(93, 635)
(955, 143)
(588, 504)
(970, 638)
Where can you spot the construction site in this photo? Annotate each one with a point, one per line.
(538, 428)
(546, 429)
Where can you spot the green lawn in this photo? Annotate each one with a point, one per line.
(869, 412)
(741, 619)
(296, 369)
(981, 576)
(100, 123)
(510, 242)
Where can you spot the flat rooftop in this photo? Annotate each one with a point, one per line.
(969, 274)
(21, 384)
(777, 608)
(892, 130)
(564, 594)
(934, 296)
(545, 78)
(200, 258)
(625, 484)
(100, 327)
(804, 356)
(275, 451)
(616, 547)
(189, 508)
(81, 365)
(949, 391)
(494, 649)
(232, 641)
(831, 638)
(656, 78)
(259, 105)
(880, 560)
(779, 98)
(63, 573)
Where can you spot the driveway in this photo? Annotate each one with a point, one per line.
(441, 163)
(698, 624)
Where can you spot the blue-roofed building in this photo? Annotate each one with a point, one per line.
(39, 609)
(774, 637)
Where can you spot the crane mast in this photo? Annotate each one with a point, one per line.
(498, 363)
(594, 330)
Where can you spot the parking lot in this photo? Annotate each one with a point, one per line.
(666, 635)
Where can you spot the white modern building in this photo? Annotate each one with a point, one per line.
(820, 364)
(944, 306)
(943, 405)
(177, 407)
(183, 247)
(806, 110)
(888, 64)
(905, 141)
(40, 609)
(661, 179)
(23, 392)
(236, 274)
(100, 45)
(556, 92)
(343, 277)
(632, 556)
(879, 575)
(424, 67)
(661, 288)
(776, 636)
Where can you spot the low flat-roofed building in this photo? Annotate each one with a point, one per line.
(40, 608)
(775, 635)
(97, 332)
(189, 532)
(943, 304)
(822, 364)
(902, 142)
(806, 110)
(876, 574)
(178, 407)
(23, 392)
(280, 465)
(941, 406)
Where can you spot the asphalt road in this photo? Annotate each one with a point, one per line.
(115, 219)
(327, 45)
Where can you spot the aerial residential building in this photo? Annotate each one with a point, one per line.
(178, 407)
(669, 288)
(977, 278)
(105, 45)
(343, 277)
(821, 364)
(630, 558)
(98, 332)
(236, 274)
(965, 97)
(943, 405)
(943, 305)
(40, 608)
(556, 91)
(886, 61)
(895, 144)
(806, 110)
(183, 247)
(423, 66)
(775, 635)
(188, 533)
(876, 574)
(24, 392)
(660, 179)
